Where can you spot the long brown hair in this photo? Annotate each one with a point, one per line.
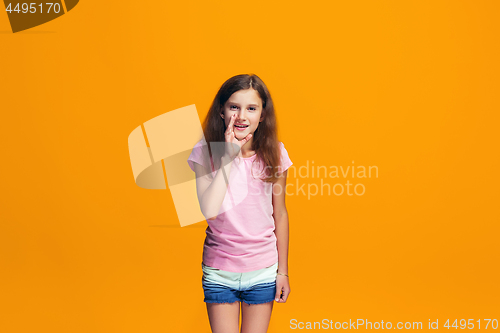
(265, 142)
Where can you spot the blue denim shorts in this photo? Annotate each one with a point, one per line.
(254, 287)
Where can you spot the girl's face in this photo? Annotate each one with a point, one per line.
(247, 106)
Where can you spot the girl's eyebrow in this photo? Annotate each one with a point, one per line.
(239, 104)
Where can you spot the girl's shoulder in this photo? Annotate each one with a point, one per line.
(199, 154)
(286, 162)
(200, 143)
(282, 148)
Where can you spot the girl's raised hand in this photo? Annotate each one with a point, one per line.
(233, 145)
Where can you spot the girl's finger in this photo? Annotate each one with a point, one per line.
(231, 122)
(277, 296)
(245, 140)
(285, 296)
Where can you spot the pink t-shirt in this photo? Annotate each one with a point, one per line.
(241, 238)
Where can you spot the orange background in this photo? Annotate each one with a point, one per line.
(411, 87)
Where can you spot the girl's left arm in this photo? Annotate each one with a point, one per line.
(280, 215)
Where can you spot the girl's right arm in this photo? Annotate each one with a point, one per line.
(211, 192)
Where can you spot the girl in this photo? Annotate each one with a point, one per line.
(241, 174)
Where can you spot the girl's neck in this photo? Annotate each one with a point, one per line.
(246, 149)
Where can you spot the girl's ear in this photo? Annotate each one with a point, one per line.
(221, 112)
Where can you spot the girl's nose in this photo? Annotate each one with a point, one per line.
(241, 115)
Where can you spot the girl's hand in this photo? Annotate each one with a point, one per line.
(233, 145)
(282, 288)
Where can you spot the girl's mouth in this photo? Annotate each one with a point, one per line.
(241, 127)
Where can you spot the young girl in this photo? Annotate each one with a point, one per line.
(241, 174)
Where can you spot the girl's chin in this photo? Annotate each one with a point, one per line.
(241, 136)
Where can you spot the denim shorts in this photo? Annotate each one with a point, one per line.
(254, 287)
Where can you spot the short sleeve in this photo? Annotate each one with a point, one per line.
(198, 155)
(285, 159)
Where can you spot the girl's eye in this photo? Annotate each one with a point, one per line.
(252, 109)
(233, 106)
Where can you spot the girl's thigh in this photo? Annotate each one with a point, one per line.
(224, 317)
(255, 318)
(223, 307)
